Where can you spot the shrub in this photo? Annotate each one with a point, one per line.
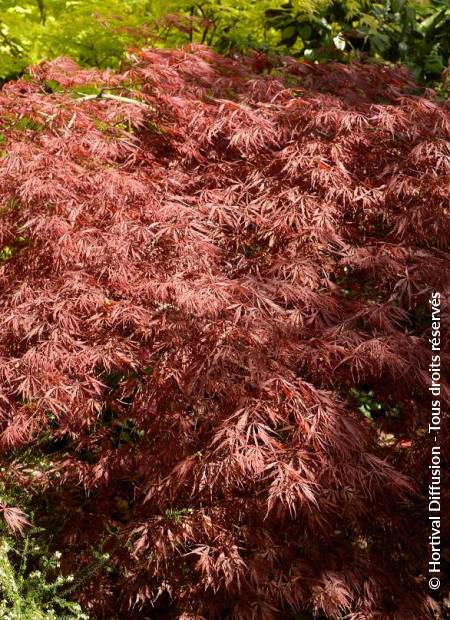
(412, 32)
(217, 267)
(33, 594)
(32, 584)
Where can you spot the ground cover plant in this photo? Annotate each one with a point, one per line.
(215, 279)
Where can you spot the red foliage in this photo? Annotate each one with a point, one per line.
(15, 519)
(198, 279)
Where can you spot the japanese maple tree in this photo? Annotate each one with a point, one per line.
(211, 268)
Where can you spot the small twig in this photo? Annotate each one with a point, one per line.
(72, 120)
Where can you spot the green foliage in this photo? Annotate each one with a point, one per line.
(371, 407)
(224, 24)
(93, 32)
(6, 252)
(25, 123)
(31, 583)
(414, 32)
(32, 586)
(177, 515)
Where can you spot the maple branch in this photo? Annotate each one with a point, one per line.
(103, 95)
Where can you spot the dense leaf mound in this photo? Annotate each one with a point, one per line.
(214, 327)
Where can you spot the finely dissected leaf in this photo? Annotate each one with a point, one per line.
(16, 519)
